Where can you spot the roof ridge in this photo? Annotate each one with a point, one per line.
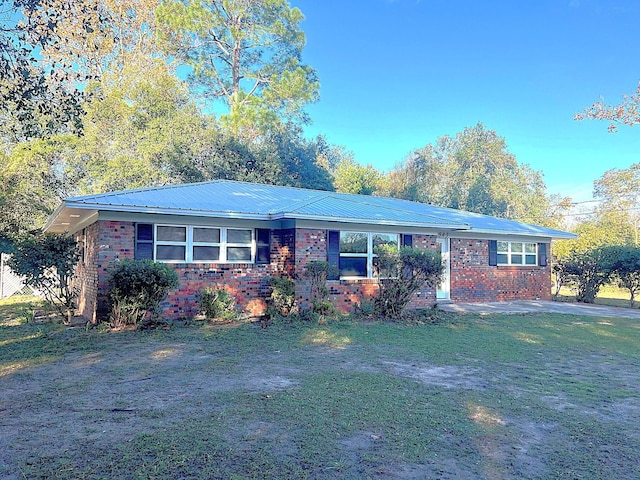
(307, 202)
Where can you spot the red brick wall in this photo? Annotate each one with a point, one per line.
(86, 272)
(473, 280)
(109, 241)
(347, 294)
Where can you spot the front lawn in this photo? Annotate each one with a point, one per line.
(501, 397)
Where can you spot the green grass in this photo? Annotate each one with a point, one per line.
(498, 397)
(608, 295)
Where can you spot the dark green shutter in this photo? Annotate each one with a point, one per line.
(333, 254)
(542, 254)
(493, 253)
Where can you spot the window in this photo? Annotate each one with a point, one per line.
(179, 244)
(356, 252)
(517, 253)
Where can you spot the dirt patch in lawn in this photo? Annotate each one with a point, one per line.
(180, 406)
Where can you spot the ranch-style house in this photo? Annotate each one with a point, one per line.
(237, 235)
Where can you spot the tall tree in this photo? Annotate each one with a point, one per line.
(96, 37)
(34, 101)
(472, 171)
(351, 177)
(140, 126)
(619, 190)
(245, 54)
(33, 180)
(626, 112)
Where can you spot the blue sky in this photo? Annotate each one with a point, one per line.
(397, 74)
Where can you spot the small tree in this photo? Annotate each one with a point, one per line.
(590, 270)
(401, 273)
(626, 269)
(47, 261)
(136, 287)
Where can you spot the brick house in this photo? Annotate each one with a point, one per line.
(236, 235)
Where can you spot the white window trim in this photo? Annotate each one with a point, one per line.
(524, 254)
(189, 244)
(369, 255)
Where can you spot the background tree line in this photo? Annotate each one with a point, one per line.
(99, 95)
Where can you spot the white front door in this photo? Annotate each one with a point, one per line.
(444, 289)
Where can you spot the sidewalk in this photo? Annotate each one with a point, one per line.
(536, 306)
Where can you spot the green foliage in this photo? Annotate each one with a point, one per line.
(47, 262)
(136, 287)
(589, 270)
(282, 301)
(245, 54)
(317, 271)
(34, 100)
(216, 303)
(351, 177)
(401, 273)
(472, 171)
(626, 269)
(33, 180)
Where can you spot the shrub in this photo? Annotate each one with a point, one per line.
(136, 287)
(317, 272)
(216, 303)
(589, 270)
(282, 301)
(401, 273)
(47, 261)
(625, 266)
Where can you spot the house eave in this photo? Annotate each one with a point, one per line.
(554, 234)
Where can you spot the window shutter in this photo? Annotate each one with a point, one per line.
(407, 240)
(144, 242)
(263, 246)
(333, 254)
(493, 253)
(542, 254)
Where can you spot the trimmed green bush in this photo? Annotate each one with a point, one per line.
(136, 288)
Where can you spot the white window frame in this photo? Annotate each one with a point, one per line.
(369, 255)
(189, 244)
(510, 253)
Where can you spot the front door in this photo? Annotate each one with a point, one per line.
(444, 289)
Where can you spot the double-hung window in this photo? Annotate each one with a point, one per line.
(186, 244)
(517, 253)
(357, 252)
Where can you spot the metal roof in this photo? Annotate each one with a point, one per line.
(232, 199)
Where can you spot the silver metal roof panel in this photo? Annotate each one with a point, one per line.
(225, 198)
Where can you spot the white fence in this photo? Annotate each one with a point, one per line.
(10, 283)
